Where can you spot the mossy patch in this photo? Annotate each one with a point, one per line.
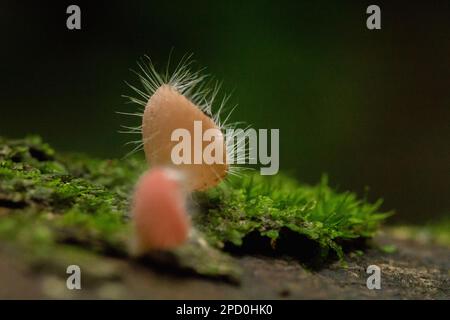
(275, 206)
(55, 200)
(436, 232)
(48, 200)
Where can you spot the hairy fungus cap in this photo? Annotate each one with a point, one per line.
(166, 111)
(159, 212)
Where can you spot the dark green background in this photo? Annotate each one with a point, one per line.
(371, 108)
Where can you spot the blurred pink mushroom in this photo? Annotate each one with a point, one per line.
(159, 211)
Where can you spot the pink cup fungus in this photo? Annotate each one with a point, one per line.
(159, 211)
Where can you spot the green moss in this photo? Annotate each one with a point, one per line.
(390, 248)
(437, 232)
(54, 199)
(269, 205)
